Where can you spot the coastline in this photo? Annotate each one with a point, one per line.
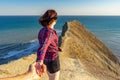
(84, 57)
(106, 28)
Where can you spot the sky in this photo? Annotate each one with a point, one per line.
(63, 7)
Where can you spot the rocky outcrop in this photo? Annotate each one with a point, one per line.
(78, 42)
(83, 57)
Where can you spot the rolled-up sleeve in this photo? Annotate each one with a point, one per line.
(45, 42)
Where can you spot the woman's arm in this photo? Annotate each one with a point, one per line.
(45, 42)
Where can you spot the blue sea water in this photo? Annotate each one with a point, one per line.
(18, 34)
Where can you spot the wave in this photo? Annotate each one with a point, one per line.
(6, 46)
(34, 40)
(59, 31)
(19, 50)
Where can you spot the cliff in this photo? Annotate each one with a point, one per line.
(78, 43)
(84, 57)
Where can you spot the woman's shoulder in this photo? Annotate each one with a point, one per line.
(46, 31)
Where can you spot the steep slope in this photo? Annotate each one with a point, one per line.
(78, 42)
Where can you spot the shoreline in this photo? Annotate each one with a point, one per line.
(83, 56)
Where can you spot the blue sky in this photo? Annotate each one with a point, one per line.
(63, 7)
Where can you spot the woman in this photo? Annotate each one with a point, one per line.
(48, 51)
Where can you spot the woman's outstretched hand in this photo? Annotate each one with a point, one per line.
(40, 68)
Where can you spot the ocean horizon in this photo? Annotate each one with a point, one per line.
(18, 34)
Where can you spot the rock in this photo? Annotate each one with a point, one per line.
(78, 42)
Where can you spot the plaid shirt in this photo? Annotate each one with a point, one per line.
(48, 40)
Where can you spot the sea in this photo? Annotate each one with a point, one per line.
(18, 34)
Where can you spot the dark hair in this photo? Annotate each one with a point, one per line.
(48, 17)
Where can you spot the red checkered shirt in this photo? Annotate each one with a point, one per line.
(48, 49)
